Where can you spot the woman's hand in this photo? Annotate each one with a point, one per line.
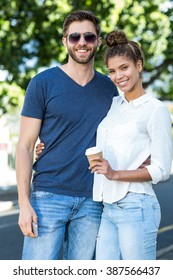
(102, 166)
(38, 150)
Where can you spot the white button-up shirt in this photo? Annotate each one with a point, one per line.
(129, 134)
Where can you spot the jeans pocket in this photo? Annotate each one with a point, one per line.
(157, 214)
(41, 194)
(131, 201)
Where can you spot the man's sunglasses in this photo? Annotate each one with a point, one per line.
(89, 37)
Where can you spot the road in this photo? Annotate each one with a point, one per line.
(11, 238)
(164, 192)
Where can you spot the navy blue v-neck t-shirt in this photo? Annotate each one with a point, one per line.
(70, 115)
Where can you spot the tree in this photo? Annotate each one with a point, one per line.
(31, 31)
(150, 23)
(11, 96)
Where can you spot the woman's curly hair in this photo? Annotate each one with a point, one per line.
(119, 45)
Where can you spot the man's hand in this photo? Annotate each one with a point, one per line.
(146, 162)
(26, 217)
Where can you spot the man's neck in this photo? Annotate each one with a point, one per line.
(80, 73)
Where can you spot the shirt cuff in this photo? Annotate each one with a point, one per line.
(157, 174)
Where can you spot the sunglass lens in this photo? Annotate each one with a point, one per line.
(90, 38)
(74, 38)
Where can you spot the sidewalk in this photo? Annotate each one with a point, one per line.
(8, 185)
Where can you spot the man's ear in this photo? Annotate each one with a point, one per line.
(99, 41)
(64, 41)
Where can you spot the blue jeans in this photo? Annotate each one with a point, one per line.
(129, 229)
(72, 220)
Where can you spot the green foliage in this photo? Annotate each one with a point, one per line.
(10, 97)
(150, 23)
(31, 32)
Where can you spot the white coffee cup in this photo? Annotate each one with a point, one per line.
(93, 153)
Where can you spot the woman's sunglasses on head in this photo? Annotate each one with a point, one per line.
(89, 37)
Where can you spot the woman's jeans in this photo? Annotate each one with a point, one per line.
(129, 229)
(73, 221)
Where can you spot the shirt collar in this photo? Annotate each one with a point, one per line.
(136, 102)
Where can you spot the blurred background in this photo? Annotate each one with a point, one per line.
(30, 41)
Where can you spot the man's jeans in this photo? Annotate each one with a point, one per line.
(129, 229)
(74, 218)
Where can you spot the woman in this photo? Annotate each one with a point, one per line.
(137, 126)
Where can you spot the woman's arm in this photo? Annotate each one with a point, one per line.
(103, 167)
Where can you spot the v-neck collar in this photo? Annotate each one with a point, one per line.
(67, 76)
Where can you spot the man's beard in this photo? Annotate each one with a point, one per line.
(82, 60)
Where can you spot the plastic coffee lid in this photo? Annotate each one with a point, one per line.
(93, 150)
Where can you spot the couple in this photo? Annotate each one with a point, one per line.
(64, 106)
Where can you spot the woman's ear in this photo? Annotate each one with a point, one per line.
(140, 66)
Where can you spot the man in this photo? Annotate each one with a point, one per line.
(63, 107)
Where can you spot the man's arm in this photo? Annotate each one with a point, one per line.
(29, 131)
